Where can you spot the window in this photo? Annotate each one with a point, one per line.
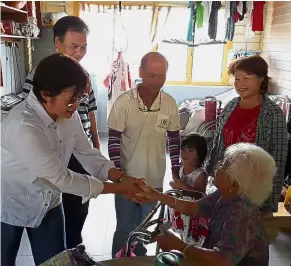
(205, 67)
(110, 32)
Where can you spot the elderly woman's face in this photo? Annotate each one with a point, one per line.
(222, 181)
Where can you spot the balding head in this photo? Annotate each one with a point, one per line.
(153, 57)
(153, 72)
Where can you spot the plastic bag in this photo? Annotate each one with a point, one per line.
(71, 257)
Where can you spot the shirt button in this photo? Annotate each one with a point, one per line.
(49, 192)
(55, 127)
(60, 141)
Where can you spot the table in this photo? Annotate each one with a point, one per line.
(140, 261)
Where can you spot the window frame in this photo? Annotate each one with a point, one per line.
(190, 51)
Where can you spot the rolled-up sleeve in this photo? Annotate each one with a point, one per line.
(34, 151)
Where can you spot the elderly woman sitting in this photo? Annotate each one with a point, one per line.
(236, 236)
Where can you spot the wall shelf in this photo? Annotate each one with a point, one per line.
(14, 38)
(8, 9)
(11, 13)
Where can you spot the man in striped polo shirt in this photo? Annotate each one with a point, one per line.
(70, 38)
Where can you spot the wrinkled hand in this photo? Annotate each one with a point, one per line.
(169, 241)
(177, 184)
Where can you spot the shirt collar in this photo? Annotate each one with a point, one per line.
(135, 93)
(39, 109)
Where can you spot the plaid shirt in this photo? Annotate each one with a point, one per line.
(271, 136)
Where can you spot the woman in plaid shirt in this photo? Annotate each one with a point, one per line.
(253, 117)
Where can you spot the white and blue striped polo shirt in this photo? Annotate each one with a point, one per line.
(86, 106)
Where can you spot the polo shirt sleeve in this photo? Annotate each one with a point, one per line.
(175, 118)
(119, 112)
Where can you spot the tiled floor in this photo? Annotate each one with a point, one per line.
(100, 224)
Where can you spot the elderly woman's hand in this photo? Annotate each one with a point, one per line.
(169, 241)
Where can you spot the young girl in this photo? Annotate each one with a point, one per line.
(192, 177)
(192, 173)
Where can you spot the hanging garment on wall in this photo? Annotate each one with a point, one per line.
(206, 10)
(236, 15)
(230, 23)
(249, 34)
(199, 14)
(118, 80)
(213, 19)
(192, 21)
(258, 16)
(227, 10)
(244, 10)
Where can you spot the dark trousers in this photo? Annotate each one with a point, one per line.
(46, 241)
(75, 211)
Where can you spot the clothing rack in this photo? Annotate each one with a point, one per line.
(244, 53)
(190, 44)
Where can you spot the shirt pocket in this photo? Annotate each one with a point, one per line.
(162, 124)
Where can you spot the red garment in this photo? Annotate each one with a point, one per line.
(258, 16)
(241, 126)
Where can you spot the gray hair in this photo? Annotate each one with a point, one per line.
(253, 169)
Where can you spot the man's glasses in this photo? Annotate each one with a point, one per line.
(143, 108)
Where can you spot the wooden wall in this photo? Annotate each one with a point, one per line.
(239, 37)
(276, 44)
(57, 6)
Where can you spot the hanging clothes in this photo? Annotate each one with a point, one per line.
(227, 10)
(240, 7)
(118, 81)
(258, 16)
(230, 23)
(192, 21)
(199, 14)
(213, 19)
(244, 10)
(236, 14)
(206, 10)
(249, 34)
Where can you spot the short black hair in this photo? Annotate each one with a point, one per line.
(197, 142)
(69, 23)
(56, 73)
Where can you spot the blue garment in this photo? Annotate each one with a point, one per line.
(129, 215)
(191, 26)
(46, 241)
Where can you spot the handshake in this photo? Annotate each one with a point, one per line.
(136, 190)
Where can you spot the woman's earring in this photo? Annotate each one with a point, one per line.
(230, 190)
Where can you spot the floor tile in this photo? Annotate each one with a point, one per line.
(24, 261)
(25, 248)
(279, 262)
(281, 247)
